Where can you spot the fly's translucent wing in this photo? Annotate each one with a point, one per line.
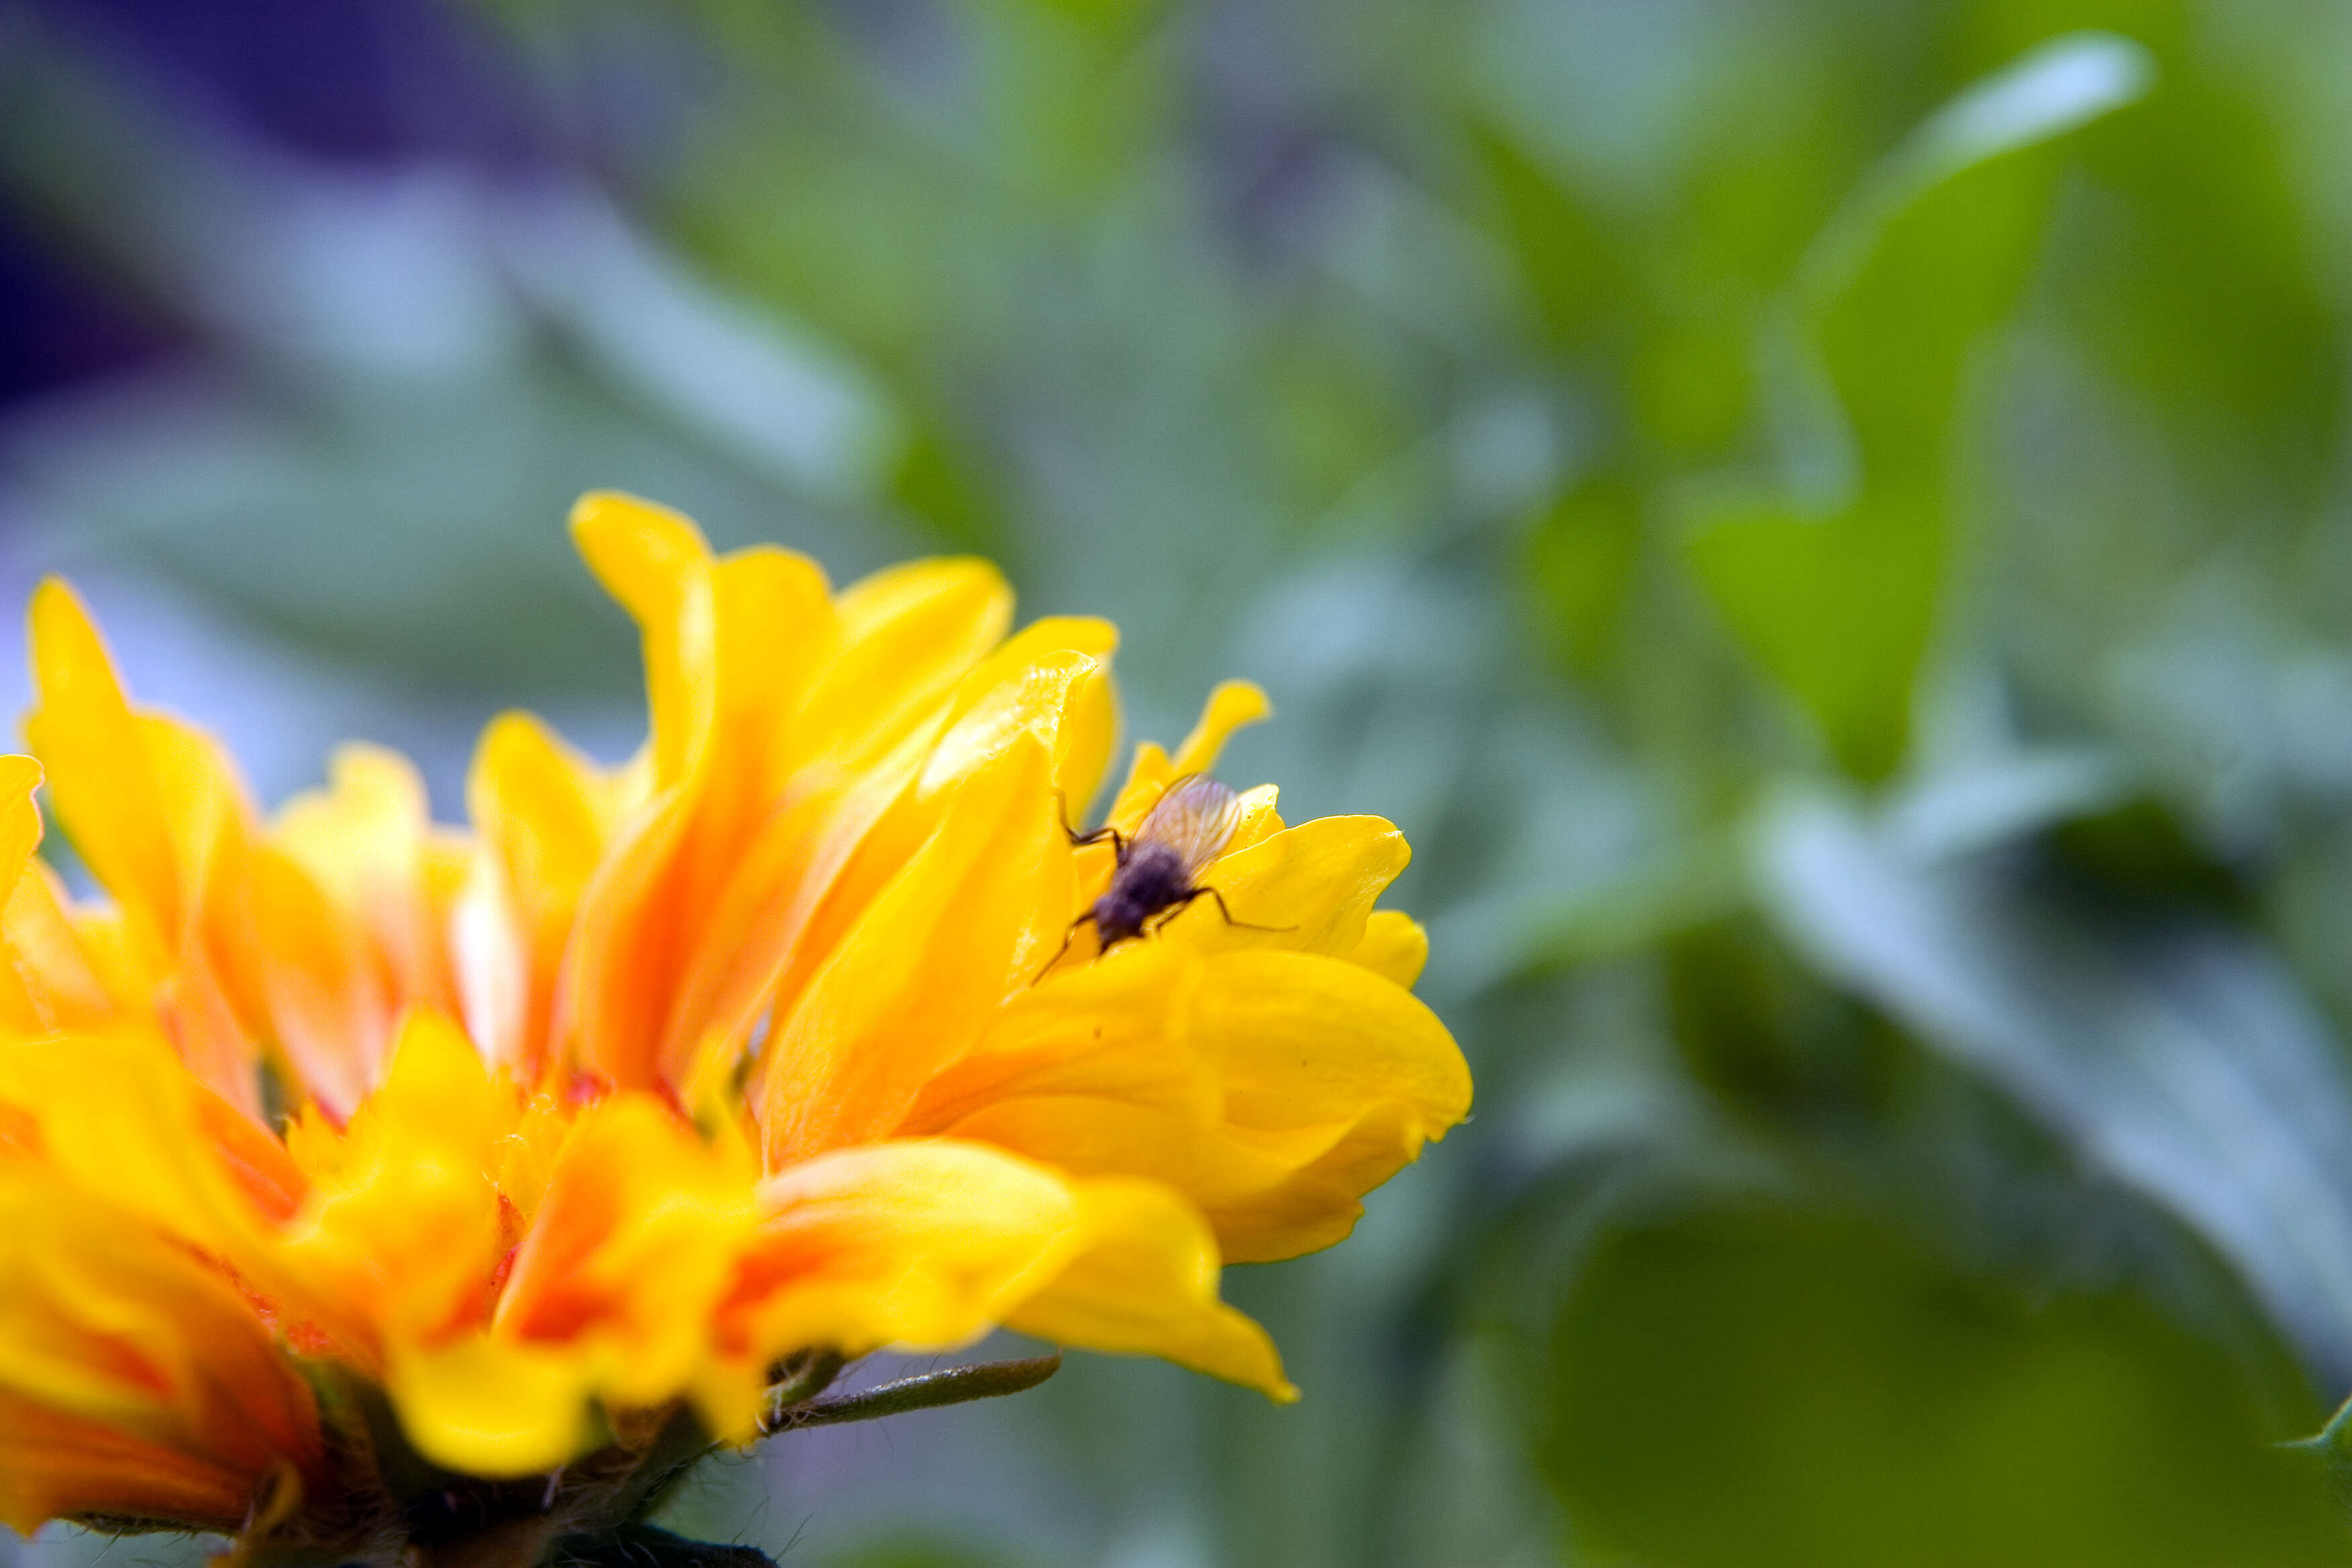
(1196, 819)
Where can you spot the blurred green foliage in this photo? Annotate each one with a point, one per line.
(1851, 1399)
(1825, 523)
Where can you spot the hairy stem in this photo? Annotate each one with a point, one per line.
(989, 1380)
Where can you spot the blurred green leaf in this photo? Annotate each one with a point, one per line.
(1569, 254)
(918, 1552)
(2137, 852)
(1836, 588)
(1582, 557)
(1839, 609)
(1759, 1386)
(2190, 271)
(2163, 1047)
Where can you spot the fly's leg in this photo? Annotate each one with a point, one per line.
(1080, 841)
(1244, 925)
(1178, 907)
(1068, 937)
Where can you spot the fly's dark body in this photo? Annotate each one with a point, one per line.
(1157, 873)
(1150, 880)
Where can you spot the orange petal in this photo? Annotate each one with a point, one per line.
(102, 1320)
(760, 927)
(921, 1242)
(318, 973)
(57, 1465)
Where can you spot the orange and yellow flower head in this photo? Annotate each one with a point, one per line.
(337, 1146)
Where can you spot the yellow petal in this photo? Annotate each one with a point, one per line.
(158, 814)
(100, 777)
(1309, 887)
(366, 841)
(46, 982)
(1232, 705)
(52, 980)
(487, 1406)
(1050, 684)
(119, 1115)
(1147, 778)
(1393, 946)
(1305, 1038)
(1062, 697)
(543, 816)
(20, 819)
(965, 926)
(1051, 679)
(1101, 1032)
(1280, 1086)
(777, 632)
(1144, 1282)
(909, 634)
(1223, 1170)
(402, 1226)
(655, 563)
(609, 1300)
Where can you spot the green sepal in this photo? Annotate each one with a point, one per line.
(682, 1443)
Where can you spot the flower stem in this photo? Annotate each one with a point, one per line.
(988, 1380)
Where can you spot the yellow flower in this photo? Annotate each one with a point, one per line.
(338, 1134)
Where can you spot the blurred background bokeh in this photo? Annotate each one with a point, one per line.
(1828, 522)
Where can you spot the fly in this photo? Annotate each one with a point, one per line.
(1155, 875)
